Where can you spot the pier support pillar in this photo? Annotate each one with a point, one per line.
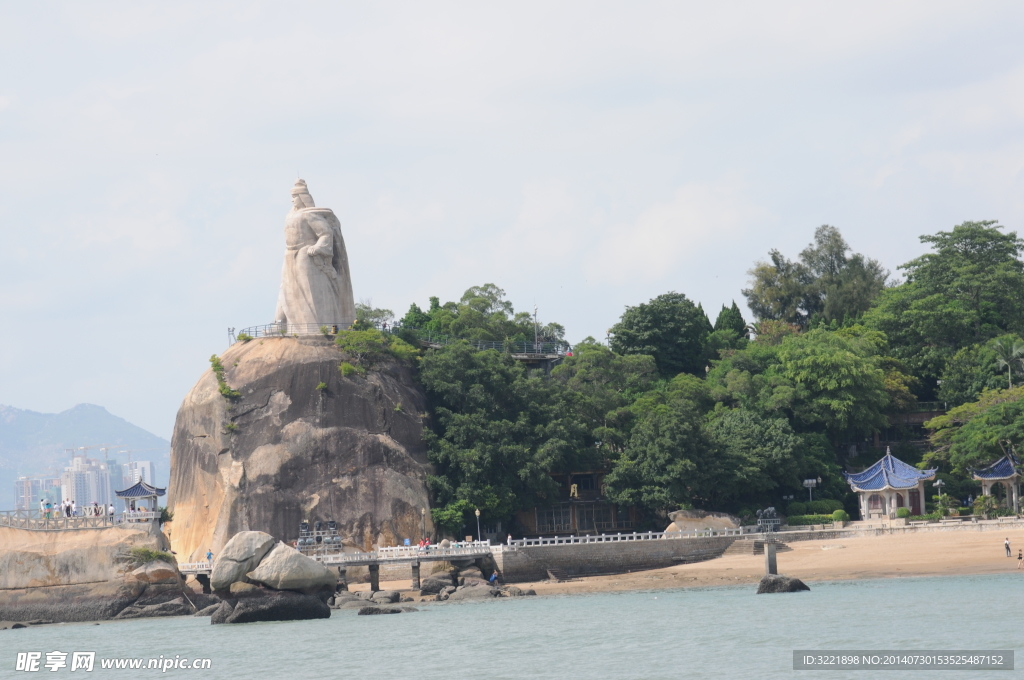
(342, 580)
(374, 578)
(770, 566)
(416, 576)
(204, 580)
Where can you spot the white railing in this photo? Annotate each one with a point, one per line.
(404, 553)
(616, 538)
(195, 567)
(36, 521)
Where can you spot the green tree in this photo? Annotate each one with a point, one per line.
(1007, 355)
(967, 291)
(669, 328)
(826, 284)
(731, 319)
(759, 455)
(668, 463)
(369, 317)
(487, 435)
(974, 434)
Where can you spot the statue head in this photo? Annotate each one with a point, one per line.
(300, 196)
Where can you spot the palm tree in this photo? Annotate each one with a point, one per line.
(1007, 354)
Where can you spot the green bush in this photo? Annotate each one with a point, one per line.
(321, 386)
(244, 337)
(166, 515)
(218, 370)
(902, 513)
(230, 427)
(797, 508)
(140, 556)
(348, 369)
(924, 518)
(825, 506)
(807, 520)
(841, 516)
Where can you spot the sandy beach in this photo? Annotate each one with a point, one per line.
(923, 554)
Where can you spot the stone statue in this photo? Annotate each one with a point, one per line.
(316, 287)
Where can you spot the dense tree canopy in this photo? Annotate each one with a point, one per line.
(969, 290)
(669, 328)
(825, 283)
(680, 412)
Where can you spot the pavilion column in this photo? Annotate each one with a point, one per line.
(864, 506)
(1016, 502)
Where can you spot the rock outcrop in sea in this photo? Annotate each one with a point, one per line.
(90, 575)
(777, 583)
(300, 441)
(278, 584)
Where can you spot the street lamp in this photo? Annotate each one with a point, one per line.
(478, 524)
(938, 487)
(809, 484)
(423, 522)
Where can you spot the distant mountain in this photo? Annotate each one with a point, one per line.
(34, 443)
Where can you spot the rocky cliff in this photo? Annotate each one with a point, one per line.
(301, 442)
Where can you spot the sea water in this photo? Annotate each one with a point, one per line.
(727, 632)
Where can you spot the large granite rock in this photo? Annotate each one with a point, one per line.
(272, 606)
(287, 569)
(474, 592)
(352, 452)
(85, 575)
(777, 583)
(239, 556)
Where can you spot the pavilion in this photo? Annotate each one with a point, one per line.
(882, 486)
(1004, 471)
(138, 492)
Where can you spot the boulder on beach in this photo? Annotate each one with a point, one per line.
(285, 568)
(385, 596)
(473, 593)
(435, 584)
(239, 556)
(272, 606)
(777, 583)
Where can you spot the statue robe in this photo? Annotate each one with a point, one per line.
(315, 289)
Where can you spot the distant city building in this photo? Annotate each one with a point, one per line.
(86, 481)
(28, 491)
(138, 471)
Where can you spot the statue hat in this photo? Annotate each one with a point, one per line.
(300, 188)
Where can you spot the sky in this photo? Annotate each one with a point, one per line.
(584, 156)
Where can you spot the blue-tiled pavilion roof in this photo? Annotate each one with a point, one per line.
(888, 473)
(1004, 468)
(140, 490)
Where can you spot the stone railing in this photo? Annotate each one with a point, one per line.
(195, 567)
(617, 538)
(408, 554)
(35, 521)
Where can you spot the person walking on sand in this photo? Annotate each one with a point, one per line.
(1006, 544)
(1020, 558)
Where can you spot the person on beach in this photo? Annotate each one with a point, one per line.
(1020, 558)
(1006, 544)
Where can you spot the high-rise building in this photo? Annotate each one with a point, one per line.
(138, 471)
(28, 491)
(86, 481)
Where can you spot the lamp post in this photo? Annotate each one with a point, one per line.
(938, 486)
(809, 484)
(423, 522)
(478, 524)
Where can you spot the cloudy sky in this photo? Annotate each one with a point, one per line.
(584, 156)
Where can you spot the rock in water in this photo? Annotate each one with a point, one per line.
(285, 451)
(274, 606)
(367, 611)
(775, 583)
(287, 569)
(240, 556)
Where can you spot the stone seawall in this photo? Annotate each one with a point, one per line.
(588, 559)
